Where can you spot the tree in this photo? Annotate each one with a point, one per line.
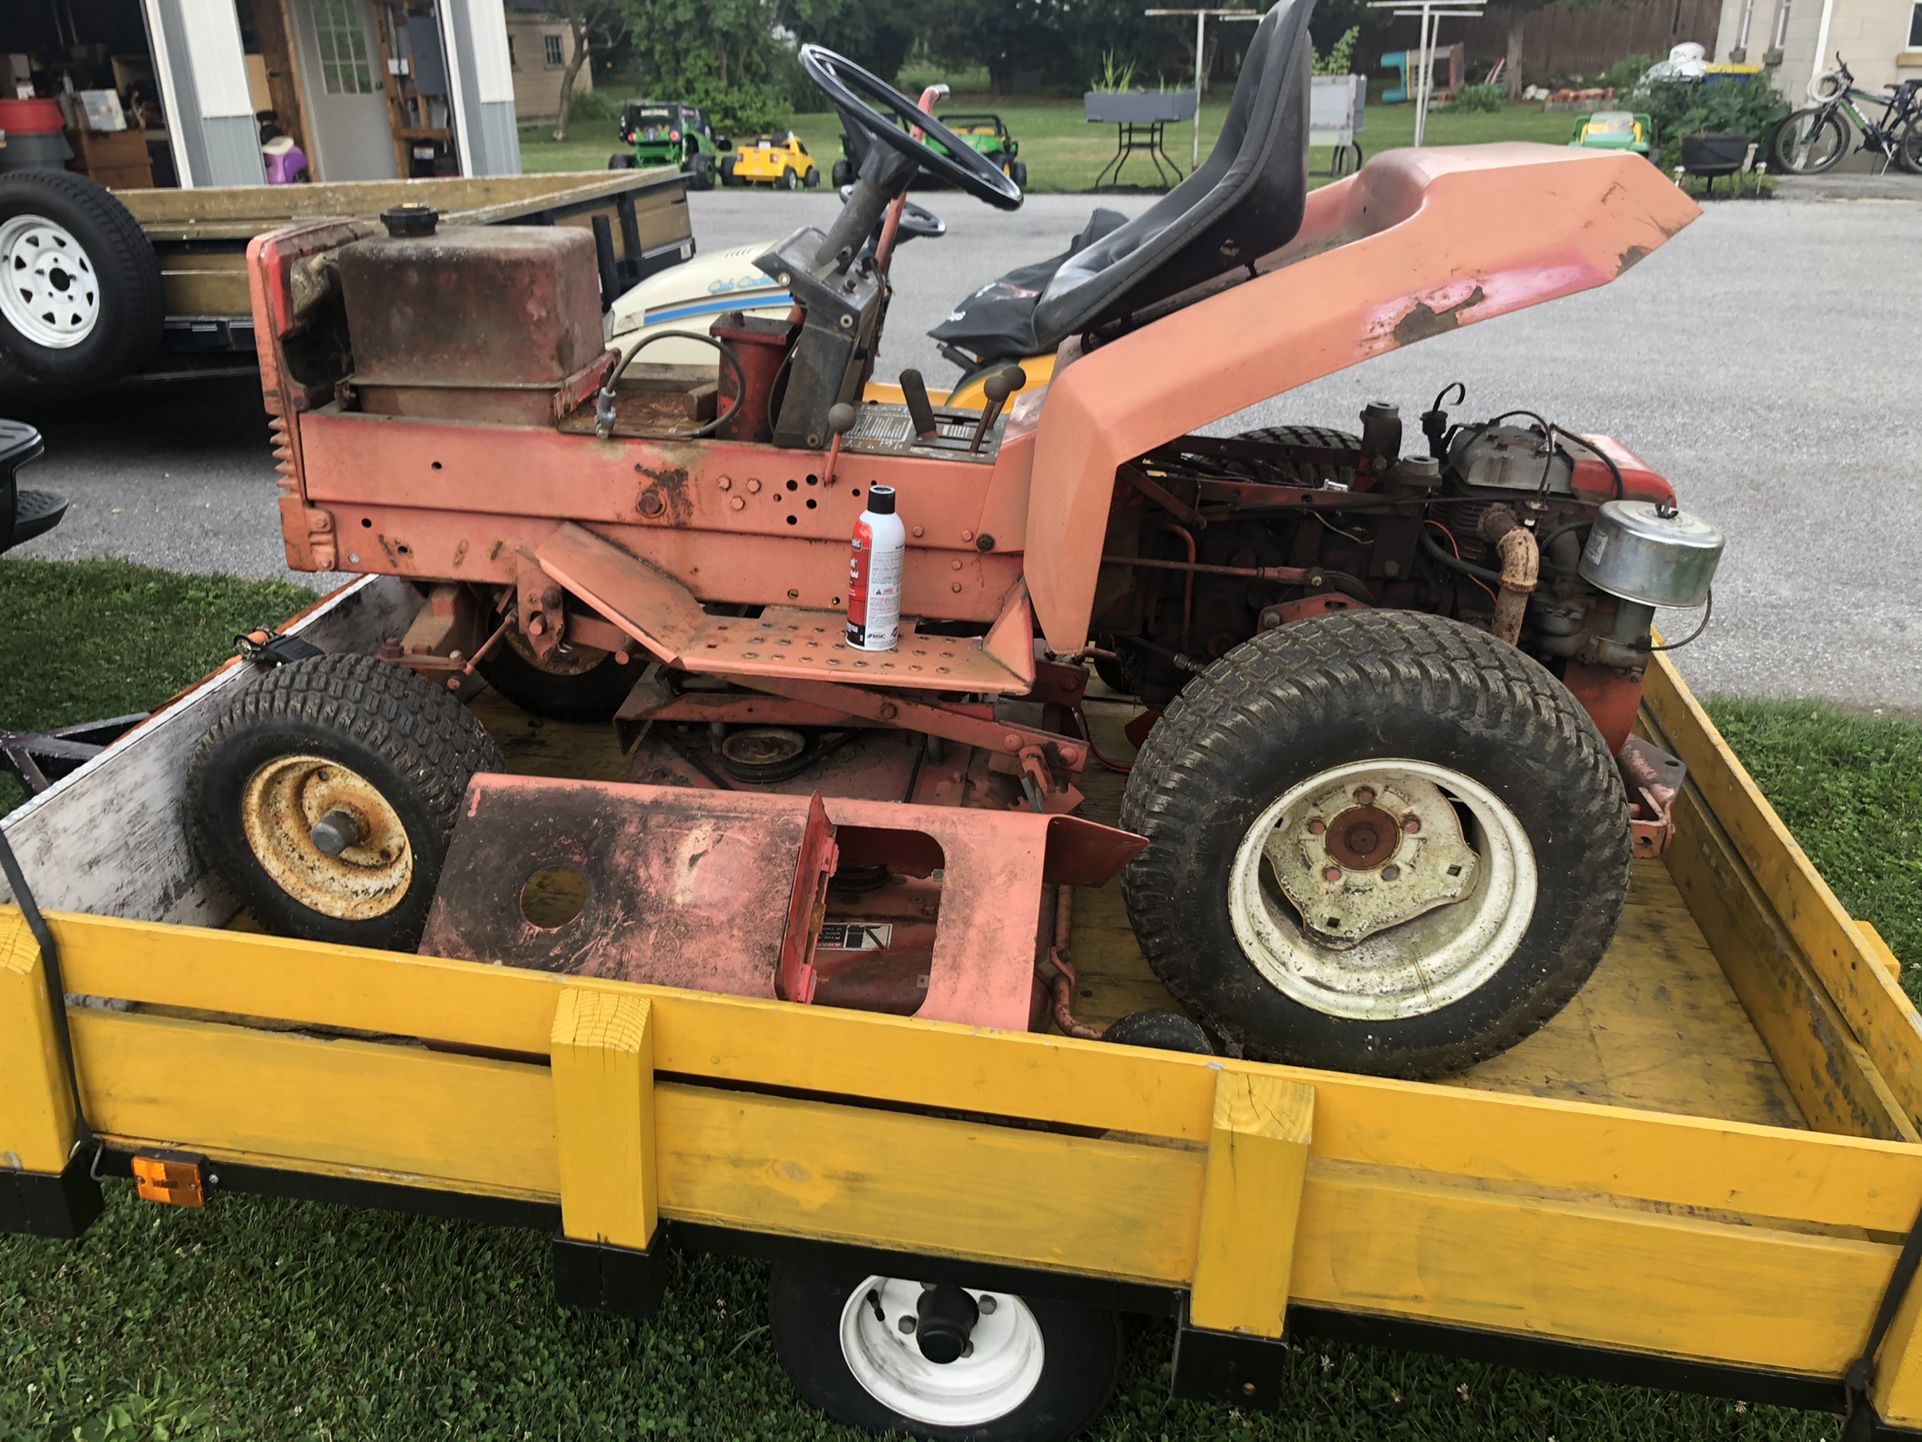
(1518, 13)
(587, 21)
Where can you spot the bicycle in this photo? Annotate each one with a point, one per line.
(1816, 137)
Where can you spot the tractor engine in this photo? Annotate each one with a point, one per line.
(1560, 544)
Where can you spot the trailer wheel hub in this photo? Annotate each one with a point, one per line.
(1383, 889)
(967, 1375)
(327, 837)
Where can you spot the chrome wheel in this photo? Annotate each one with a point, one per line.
(1383, 889)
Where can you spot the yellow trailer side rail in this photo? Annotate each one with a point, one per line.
(1247, 1194)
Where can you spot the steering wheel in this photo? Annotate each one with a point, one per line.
(855, 91)
(916, 220)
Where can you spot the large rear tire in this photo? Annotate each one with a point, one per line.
(80, 296)
(326, 795)
(1379, 841)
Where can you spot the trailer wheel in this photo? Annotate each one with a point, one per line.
(1379, 841)
(327, 793)
(575, 683)
(887, 1354)
(80, 295)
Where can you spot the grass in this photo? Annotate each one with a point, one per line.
(277, 1320)
(1065, 153)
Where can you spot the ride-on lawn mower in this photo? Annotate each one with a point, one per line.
(670, 133)
(1385, 818)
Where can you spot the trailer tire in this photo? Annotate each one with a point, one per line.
(1249, 792)
(94, 318)
(1038, 1369)
(342, 734)
(589, 691)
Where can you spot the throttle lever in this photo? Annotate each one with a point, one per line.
(997, 388)
(914, 391)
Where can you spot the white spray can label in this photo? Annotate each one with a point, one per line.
(874, 574)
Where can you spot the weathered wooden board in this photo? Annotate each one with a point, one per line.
(110, 838)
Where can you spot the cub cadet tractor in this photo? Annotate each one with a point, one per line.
(670, 133)
(1385, 818)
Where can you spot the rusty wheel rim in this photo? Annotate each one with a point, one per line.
(281, 806)
(563, 660)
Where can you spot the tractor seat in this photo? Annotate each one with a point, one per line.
(1242, 202)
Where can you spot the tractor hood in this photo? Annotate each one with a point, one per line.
(1418, 243)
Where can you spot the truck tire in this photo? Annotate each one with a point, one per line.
(1035, 1369)
(322, 739)
(1378, 841)
(80, 296)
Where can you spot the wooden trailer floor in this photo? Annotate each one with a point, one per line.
(1657, 1028)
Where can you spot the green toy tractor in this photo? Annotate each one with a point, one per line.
(1615, 130)
(983, 132)
(670, 132)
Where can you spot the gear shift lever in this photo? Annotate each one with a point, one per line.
(998, 387)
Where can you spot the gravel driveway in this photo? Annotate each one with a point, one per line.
(1749, 361)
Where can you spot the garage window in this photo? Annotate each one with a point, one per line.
(553, 49)
(1915, 27)
(341, 35)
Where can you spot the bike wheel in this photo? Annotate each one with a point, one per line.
(1908, 149)
(1809, 141)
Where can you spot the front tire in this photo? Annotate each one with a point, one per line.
(1809, 142)
(727, 171)
(1379, 841)
(575, 683)
(80, 296)
(1034, 1369)
(326, 795)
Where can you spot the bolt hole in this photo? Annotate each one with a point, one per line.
(1454, 871)
(553, 896)
(367, 523)
(812, 503)
(1334, 921)
(814, 480)
(437, 465)
(855, 492)
(792, 518)
(405, 550)
(794, 485)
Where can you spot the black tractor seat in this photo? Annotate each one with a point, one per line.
(23, 514)
(1245, 200)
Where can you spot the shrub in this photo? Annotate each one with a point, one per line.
(1340, 57)
(1624, 77)
(1688, 107)
(1480, 97)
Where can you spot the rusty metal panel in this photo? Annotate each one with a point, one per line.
(480, 306)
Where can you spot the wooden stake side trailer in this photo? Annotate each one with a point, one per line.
(1705, 1174)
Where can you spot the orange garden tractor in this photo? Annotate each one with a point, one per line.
(1386, 798)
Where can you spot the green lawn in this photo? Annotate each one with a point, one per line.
(1064, 153)
(273, 1320)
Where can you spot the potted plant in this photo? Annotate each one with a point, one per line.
(1116, 100)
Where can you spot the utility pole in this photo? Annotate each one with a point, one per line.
(1201, 40)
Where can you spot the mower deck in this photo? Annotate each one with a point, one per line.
(1658, 1028)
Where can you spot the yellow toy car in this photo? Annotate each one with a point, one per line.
(777, 159)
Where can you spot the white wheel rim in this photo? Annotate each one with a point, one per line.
(997, 1374)
(48, 290)
(1414, 966)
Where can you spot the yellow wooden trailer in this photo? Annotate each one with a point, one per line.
(1704, 1174)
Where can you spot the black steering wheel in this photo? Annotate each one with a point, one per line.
(855, 91)
(916, 220)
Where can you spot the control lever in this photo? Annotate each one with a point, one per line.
(840, 422)
(998, 387)
(914, 391)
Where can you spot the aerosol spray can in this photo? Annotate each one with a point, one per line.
(874, 574)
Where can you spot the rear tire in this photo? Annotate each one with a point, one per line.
(336, 733)
(789, 180)
(1040, 1370)
(1252, 784)
(727, 171)
(1908, 149)
(813, 180)
(700, 173)
(1326, 437)
(622, 162)
(80, 296)
(842, 173)
(1809, 142)
(1018, 173)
